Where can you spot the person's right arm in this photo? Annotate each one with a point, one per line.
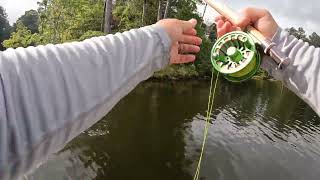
(303, 72)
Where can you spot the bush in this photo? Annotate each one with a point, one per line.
(91, 34)
(203, 63)
(23, 38)
(183, 71)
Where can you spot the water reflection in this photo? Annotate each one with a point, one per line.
(259, 131)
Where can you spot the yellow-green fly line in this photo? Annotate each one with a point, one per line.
(211, 97)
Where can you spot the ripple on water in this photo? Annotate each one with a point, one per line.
(243, 143)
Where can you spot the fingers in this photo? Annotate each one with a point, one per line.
(188, 48)
(182, 53)
(251, 15)
(187, 39)
(187, 43)
(219, 23)
(224, 28)
(219, 17)
(192, 32)
(180, 59)
(187, 25)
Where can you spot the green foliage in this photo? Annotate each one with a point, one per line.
(128, 14)
(203, 63)
(91, 34)
(30, 19)
(177, 72)
(63, 20)
(22, 38)
(314, 39)
(300, 33)
(5, 27)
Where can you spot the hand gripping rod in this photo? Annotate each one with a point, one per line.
(268, 46)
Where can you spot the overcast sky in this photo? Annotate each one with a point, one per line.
(16, 8)
(289, 13)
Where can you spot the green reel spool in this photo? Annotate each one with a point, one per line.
(236, 56)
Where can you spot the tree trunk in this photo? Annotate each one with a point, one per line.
(204, 13)
(144, 12)
(166, 12)
(160, 10)
(107, 16)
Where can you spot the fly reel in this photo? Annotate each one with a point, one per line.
(236, 56)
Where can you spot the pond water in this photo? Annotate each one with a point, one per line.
(259, 130)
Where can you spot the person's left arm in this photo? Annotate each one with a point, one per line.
(49, 94)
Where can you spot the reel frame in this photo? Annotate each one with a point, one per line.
(237, 56)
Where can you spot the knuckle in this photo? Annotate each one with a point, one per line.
(183, 39)
(182, 47)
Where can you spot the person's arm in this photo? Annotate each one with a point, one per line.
(50, 94)
(302, 75)
(303, 72)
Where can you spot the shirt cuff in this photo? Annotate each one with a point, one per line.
(268, 63)
(165, 43)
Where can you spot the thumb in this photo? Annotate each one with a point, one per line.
(187, 25)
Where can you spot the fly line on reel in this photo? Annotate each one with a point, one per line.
(236, 56)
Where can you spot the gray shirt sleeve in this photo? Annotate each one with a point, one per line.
(303, 73)
(50, 94)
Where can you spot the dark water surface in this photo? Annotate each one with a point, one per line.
(259, 131)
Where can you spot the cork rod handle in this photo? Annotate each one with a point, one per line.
(232, 16)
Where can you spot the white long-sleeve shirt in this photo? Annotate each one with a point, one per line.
(50, 94)
(302, 75)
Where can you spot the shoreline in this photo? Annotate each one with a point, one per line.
(205, 78)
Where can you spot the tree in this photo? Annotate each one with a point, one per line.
(91, 34)
(22, 38)
(299, 33)
(314, 39)
(42, 10)
(107, 16)
(127, 14)
(212, 31)
(160, 9)
(144, 12)
(62, 21)
(30, 19)
(166, 12)
(5, 27)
